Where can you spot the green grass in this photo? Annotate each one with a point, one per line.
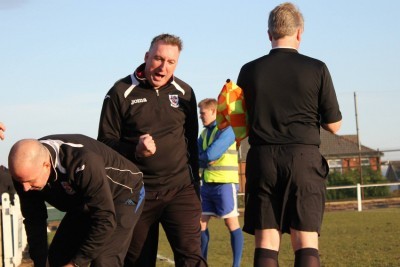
(348, 238)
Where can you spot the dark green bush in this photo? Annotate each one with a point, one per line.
(352, 177)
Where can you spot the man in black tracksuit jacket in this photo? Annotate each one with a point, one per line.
(101, 192)
(150, 117)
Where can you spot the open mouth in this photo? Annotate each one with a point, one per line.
(159, 76)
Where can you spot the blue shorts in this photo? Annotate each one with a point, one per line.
(219, 199)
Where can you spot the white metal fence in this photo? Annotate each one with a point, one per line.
(357, 187)
(13, 231)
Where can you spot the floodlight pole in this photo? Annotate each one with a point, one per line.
(359, 146)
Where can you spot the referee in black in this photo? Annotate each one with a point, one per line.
(101, 192)
(289, 96)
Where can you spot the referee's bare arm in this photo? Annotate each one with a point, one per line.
(332, 127)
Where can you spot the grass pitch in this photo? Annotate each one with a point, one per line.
(370, 238)
(348, 238)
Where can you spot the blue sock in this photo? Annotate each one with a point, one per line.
(237, 246)
(205, 237)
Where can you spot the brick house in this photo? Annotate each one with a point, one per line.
(341, 152)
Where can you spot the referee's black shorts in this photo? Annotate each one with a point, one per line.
(285, 188)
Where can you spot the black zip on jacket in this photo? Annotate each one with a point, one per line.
(132, 107)
(86, 175)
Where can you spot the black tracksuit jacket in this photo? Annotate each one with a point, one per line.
(132, 107)
(86, 175)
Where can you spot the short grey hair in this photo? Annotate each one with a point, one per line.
(167, 39)
(284, 20)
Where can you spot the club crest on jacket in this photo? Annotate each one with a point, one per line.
(174, 99)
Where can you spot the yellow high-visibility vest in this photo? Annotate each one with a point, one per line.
(225, 169)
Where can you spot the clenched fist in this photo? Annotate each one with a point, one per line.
(146, 146)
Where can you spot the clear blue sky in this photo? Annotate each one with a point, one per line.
(59, 58)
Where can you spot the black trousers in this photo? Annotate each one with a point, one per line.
(179, 211)
(73, 230)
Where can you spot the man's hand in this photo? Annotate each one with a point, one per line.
(146, 146)
(2, 130)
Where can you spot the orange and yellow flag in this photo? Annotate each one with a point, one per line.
(232, 111)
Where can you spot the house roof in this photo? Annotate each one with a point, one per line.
(393, 171)
(339, 146)
(332, 146)
(395, 164)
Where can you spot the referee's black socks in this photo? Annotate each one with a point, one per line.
(265, 257)
(308, 257)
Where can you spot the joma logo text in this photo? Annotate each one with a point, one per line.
(139, 100)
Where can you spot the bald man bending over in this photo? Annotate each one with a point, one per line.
(101, 192)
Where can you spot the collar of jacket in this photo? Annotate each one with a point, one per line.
(283, 49)
(53, 173)
(211, 125)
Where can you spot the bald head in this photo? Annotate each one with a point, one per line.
(26, 152)
(29, 162)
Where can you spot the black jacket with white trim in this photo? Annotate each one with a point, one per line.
(132, 107)
(86, 175)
